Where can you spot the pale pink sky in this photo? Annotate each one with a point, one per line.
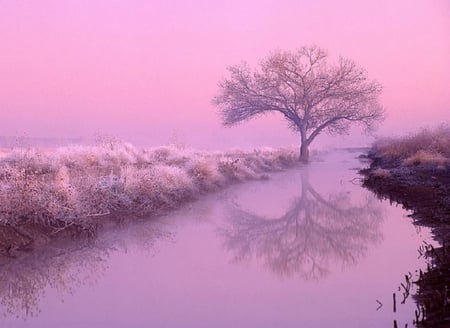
(146, 71)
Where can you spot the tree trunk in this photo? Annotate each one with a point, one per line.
(304, 153)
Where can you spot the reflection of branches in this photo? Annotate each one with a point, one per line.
(23, 280)
(313, 232)
(64, 265)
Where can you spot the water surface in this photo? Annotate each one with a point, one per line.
(307, 248)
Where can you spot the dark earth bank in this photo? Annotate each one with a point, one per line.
(424, 190)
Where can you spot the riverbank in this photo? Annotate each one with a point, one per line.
(414, 171)
(74, 190)
(423, 188)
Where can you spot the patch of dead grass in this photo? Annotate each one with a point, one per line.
(428, 146)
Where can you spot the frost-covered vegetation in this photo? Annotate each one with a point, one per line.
(429, 146)
(75, 183)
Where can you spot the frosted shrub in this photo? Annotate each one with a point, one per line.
(100, 158)
(256, 163)
(121, 154)
(24, 196)
(173, 183)
(156, 188)
(229, 169)
(269, 159)
(168, 155)
(205, 174)
(32, 160)
(159, 155)
(236, 169)
(63, 203)
(286, 157)
(79, 182)
(426, 141)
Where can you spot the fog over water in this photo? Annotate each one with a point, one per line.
(146, 71)
(307, 247)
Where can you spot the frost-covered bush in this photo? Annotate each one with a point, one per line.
(80, 182)
(205, 174)
(427, 144)
(156, 188)
(32, 160)
(32, 196)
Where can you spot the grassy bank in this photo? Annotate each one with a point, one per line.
(414, 171)
(426, 147)
(76, 184)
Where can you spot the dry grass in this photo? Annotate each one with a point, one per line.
(426, 157)
(428, 146)
(78, 182)
(382, 173)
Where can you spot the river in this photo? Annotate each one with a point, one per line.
(308, 247)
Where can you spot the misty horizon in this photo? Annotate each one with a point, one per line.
(71, 70)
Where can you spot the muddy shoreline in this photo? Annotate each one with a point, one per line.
(424, 190)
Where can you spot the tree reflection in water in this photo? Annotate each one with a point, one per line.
(313, 233)
(65, 265)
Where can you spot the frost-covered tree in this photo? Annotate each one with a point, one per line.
(312, 94)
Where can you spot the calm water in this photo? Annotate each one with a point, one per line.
(307, 248)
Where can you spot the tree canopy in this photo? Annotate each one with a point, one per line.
(312, 94)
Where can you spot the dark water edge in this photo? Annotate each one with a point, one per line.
(425, 190)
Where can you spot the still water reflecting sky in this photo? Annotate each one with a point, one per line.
(308, 247)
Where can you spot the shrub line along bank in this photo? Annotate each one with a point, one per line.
(77, 184)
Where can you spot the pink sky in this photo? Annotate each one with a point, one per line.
(146, 71)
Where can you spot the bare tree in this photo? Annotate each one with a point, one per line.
(313, 95)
